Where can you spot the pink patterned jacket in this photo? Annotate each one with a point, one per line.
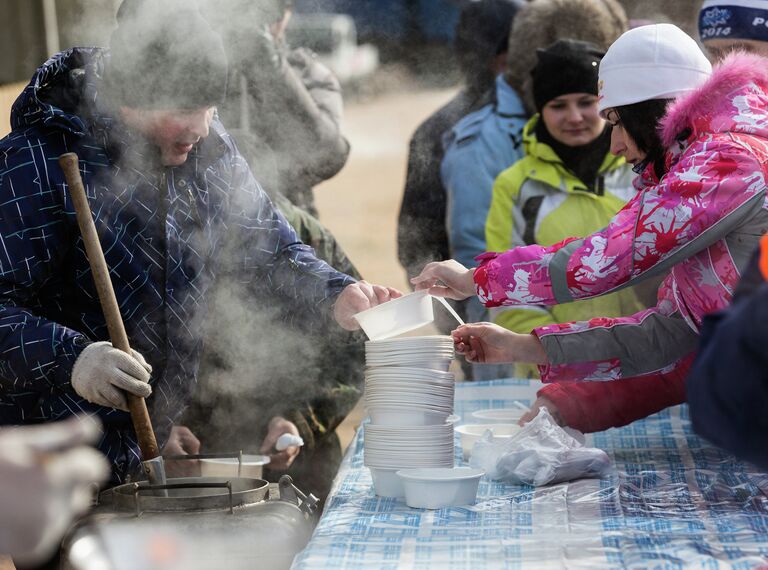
(702, 220)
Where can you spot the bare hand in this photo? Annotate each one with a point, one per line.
(487, 343)
(182, 442)
(446, 279)
(534, 411)
(359, 297)
(280, 460)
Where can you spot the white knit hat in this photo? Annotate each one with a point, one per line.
(650, 62)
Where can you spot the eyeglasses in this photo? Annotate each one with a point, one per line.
(613, 119)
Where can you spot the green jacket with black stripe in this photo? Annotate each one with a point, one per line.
(539, 200)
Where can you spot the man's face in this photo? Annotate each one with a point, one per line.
(174, 132)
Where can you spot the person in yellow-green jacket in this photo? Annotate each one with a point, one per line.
(567, 183)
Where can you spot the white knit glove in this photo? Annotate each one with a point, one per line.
(102, 373)
(47, 476)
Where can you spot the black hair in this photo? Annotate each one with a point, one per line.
(641, 121)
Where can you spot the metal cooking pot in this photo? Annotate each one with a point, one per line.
(193, 523)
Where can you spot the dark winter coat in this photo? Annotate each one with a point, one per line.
(422, 235)
(728, 384)
(166, 234)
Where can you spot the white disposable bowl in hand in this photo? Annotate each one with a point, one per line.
(470, 433)
(397, 316)
(253, 466)
(438, 487)
(498, 416)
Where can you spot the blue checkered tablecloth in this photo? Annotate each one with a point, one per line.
(673, 502)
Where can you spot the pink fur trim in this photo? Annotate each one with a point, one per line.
(737, 69)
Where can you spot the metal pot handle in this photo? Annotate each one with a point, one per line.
(290, 493)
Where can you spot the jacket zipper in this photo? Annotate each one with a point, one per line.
(163, 207)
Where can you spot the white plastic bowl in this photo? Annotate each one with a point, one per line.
(470, 433)
(253, 466)
(438, 487)
(498, 416)
(397, 316)
(386, 483)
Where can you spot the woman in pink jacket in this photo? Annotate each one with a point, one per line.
(699, 212)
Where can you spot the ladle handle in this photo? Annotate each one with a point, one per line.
(448, 307)
(136, 405)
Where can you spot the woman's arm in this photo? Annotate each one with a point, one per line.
(597, 406)
(706, 196)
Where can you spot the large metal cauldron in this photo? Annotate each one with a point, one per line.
(193, 523)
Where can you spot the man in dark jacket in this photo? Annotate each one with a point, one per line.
(175, 206)
(727, 387)
(481, 49)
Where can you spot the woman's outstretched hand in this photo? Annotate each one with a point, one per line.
(487, 343)
(446, 279)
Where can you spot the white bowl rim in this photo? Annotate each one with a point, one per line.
(462, 429)
(498, 413)
(440, 474)
(405, 339)
(388, 304)
(248, 460)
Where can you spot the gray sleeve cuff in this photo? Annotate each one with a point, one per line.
(642, 347)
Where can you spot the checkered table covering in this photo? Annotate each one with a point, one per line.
(673, 502)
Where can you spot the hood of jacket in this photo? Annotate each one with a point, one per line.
(61, 93)
(734, 99)
(539, 24)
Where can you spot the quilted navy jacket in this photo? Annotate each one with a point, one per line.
(728, 383)
(167, 232)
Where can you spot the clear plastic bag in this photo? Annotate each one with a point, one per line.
(542, 452)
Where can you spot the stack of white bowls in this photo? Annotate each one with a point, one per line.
(391, 448)
(409, 398)
(429, 352)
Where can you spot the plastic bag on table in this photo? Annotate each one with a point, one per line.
(542, 452)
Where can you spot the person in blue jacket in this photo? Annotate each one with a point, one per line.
(175, 206)
(727, 387)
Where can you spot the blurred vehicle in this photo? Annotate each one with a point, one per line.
(333, 37)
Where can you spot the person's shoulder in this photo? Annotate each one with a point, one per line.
(469, 128)
(511, 179)
(29, 145)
